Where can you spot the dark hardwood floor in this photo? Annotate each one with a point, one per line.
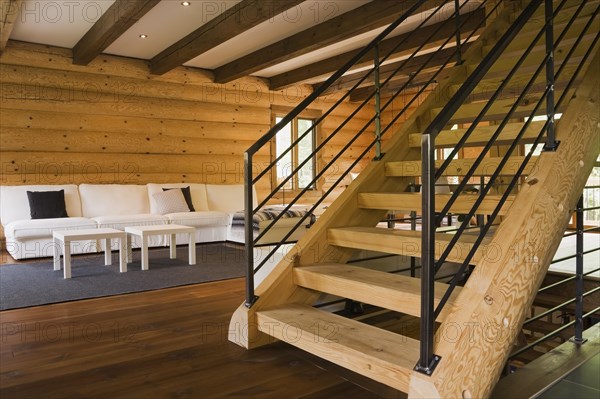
(170, 343)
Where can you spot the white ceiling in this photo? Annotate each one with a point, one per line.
(57, 23)
(63, 23)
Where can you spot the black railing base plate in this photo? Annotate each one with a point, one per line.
(430, 368)
(252, 302)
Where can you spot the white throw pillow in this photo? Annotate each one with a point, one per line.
(170, 201)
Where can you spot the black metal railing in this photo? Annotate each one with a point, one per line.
(578, 277)
(474, 16)
(430, 218)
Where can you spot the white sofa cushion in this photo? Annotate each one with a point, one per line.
(197, 190)
(43, 228)
(14, 204)
(227, 197)
(113, 199)
(200, 219)
(170, 201)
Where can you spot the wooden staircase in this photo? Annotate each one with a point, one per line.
(480, 321)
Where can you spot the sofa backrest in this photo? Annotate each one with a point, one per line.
(14, 204)
(227, 197)
(197, 190)
(113, 199)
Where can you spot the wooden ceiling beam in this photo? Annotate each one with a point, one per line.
(368, 17)
(399, 69)
(119, 17)
(403, 44)
(9, 14)
(233, 22)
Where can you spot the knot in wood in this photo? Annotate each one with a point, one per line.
(533, 181)
(488, 299)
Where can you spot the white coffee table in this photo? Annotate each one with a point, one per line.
(62, 240)
(166, 229)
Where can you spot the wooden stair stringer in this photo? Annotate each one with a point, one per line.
(490, 311)
(278, 287)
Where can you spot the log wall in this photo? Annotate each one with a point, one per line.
(113, 122)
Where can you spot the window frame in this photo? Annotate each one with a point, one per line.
(309, 114)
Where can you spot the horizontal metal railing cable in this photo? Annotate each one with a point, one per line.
(552, 334)
(492, 140)
(293, 201)
(584, 230)
(326, 140)
(248, 155)
(427, 359)
(435, 75)
(566, 280)
(364, 103)
(494, 177)
(558, 307)
(344, 97)
(519, 172)
(487, 106)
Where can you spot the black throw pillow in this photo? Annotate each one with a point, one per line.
(187, 194)
(47, 204)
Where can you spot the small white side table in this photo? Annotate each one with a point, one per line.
(165, 229)
(62, 240)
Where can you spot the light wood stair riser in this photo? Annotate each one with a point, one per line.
(381, 355)
(412, 202)
(481, 135)
(386, 290)
(499, 110)
(401, 242)
(459, 167)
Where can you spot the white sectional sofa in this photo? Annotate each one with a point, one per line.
(116, 206)
(120, 205)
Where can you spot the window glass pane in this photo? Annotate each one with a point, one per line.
(283, 140)
(537, 151)
(591, 199)
(305, 148)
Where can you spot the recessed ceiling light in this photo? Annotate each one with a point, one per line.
(143, 36)
(185, 3)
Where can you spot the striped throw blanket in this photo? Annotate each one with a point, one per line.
(265, 214)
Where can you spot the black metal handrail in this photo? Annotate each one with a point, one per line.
(428, 359)
(251, 241)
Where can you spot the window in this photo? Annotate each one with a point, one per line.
(591, 197)
(300, 128)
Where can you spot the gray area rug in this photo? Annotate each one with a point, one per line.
(31, 284)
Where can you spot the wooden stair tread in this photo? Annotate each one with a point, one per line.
(381, 355)
(387, 290)
(459, 167)
(412, 202)
(401, 242)
(481, 135)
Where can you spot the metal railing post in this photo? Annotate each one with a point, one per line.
(413, 227)
(428, 360)
(551, 143)
(249, 230)
(376, 79)
(578, 338)
(458, 39)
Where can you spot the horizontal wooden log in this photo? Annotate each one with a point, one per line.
(64, 100)
(33, 119)
(19, 139)
(52, 163)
